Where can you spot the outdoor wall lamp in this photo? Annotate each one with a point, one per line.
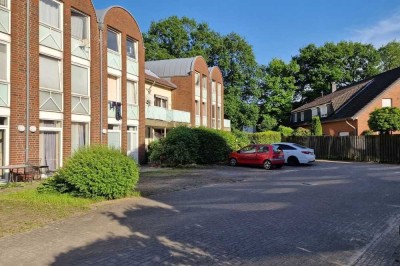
(32, 129)
(21, 128)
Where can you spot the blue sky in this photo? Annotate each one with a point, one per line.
(279, 28)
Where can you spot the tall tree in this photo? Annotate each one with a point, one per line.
(278, 85)
(390, 55)
(343, 63)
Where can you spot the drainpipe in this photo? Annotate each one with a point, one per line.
(28, 84)
(101, 27)
(355, 130)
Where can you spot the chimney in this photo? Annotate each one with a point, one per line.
(333, 86)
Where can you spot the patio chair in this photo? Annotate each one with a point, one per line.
(30, 172)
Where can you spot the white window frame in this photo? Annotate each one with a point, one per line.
(8, 62)
(7, 7)
(87, 137)
(85, 41)
(59, 130)
(295, 117)
(135, 47)
(60, 73)
(60, 15)
(314, 111)
(324, 110)
(135, 92)
(88, 79)
(344, 134)
(115, 131)
(118, 34)
(387, 102)
(162, 99)
(119, 91)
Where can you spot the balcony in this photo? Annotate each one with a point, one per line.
(4, 102)
(162, 114)
(50, 100)
(80, 105)
(112, 110)
(4, 20)
(80, 48)
(133, 112)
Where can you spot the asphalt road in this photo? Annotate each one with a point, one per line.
(329, 213)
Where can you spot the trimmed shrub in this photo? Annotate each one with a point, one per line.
(93, 172)
(213, 146)
(301, 132)
(156, 151)
(242, 139)
(285, 131)
(316, 127)
(266, 137)
(181, 146)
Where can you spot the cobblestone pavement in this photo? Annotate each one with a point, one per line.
(330, 213)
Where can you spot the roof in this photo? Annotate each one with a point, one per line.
(151, 76)
(172, 67)
(348, 101)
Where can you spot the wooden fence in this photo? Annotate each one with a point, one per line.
(382, 148)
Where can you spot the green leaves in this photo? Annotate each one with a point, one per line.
(385, 120)
(316, 127)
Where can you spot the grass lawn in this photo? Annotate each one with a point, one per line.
(22, 208)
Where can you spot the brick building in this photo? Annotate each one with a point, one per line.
(346, 111)
(71, 76)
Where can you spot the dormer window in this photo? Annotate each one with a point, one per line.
(314, 111)
(324, 110)
(302, 116)
(295, 117)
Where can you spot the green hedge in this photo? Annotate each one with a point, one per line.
(181, 146)
(266, 137)
(214, 147)
(93, 172)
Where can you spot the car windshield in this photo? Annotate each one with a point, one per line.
(299, 146)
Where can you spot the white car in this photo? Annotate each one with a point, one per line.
(296, 154)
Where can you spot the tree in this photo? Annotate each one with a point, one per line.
(344, 63)
(316, 127)
(277, 90)
(301, 132)
(183, 37)
(267, 123)
(385, 120)
(390, 55)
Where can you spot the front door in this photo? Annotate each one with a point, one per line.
(133, 146)
(49, 143)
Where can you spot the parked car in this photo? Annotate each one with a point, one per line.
(268, 156)
(296, 154)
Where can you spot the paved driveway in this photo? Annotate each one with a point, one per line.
(326, 214)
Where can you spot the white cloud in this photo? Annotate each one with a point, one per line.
(381, 33)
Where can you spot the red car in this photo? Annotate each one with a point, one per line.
(258, 154)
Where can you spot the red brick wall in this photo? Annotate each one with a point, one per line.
(216, 75)
(122, 21)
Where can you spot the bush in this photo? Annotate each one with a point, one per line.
(266, 137)
(156, 151)
(181, 146)
(285, 131)
(241, 139)
(316, 127)
(301, 132)
(385, 120)
(213, 146)
(93, 172)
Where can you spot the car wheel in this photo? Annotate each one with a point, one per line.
(232, 162)
(293, 160)
(267, 165)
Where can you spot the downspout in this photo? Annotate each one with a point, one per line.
(355, 130)
(28, 84)
(101, 26)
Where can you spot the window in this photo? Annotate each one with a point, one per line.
(197, 107)
(3, 62)
(113, 41)
(131, 48)
(204, 109)
(248, 149)
(213, 111)
(3, 3)
(79, 25)
(132, 142)
(314, 111)
(160, 101)
(302, 116)
(204, 82)
(50, 143)
(114, 93)
(386, 102)
(49, 73)
(286, 147)
(80, 80)
(79, 135)
(324, 110)
(344, 134)
(197, 80)
(263, 149)
(132, 93)
(49, 13)
(114, 136)
(295, 117)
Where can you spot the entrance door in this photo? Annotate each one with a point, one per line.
(133, 146)
(50, 149)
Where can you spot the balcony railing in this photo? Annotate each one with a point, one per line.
(112, 110)
(4, 95)
(80, 48)
(114, 59)
(80, 105)
(133, 112)
(132, 66)
(197, 89)
(50, 37)
(162, 114)
(4, 20)
(50, 100)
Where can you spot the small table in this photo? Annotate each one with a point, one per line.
(13, 170)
